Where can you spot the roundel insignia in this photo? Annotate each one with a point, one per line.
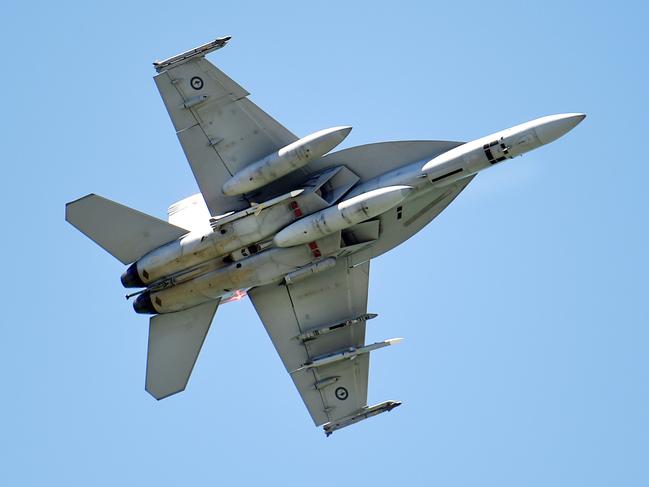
(341, 393)
(196, 82)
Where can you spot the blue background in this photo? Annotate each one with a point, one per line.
(524, 305)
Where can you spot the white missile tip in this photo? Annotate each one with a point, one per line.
(576, 118)
(393, 341)
(343, 130)
(552, 127)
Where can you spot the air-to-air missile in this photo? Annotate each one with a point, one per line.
(472, 157)
(346, 354)
(285, 160)
(365, 413)
(343, 215)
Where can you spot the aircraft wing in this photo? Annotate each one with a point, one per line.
(219, 128)
(292, 313)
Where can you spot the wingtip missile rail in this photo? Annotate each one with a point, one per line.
(199, 51)
(364, 413)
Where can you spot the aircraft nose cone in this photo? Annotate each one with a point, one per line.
(554, 126)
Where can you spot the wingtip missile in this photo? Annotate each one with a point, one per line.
(364, 413)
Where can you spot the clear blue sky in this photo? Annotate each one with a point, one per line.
(524, 305)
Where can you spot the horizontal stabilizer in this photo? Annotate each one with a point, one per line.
(175, 340)
(124, 233)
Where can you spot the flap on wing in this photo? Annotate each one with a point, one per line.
(124, 233)
(220, 130)
(175, 340)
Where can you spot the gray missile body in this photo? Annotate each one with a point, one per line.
(284, 161)
(345, 354)
(343, 215)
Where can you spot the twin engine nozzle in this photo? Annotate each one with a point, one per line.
(131, 278)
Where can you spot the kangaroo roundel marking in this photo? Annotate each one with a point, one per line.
(341, 393)
(196, 82)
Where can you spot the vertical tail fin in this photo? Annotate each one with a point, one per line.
(175, 340)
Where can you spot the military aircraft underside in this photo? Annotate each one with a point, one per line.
(286, 222)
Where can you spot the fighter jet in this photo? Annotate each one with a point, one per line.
(287, 222)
